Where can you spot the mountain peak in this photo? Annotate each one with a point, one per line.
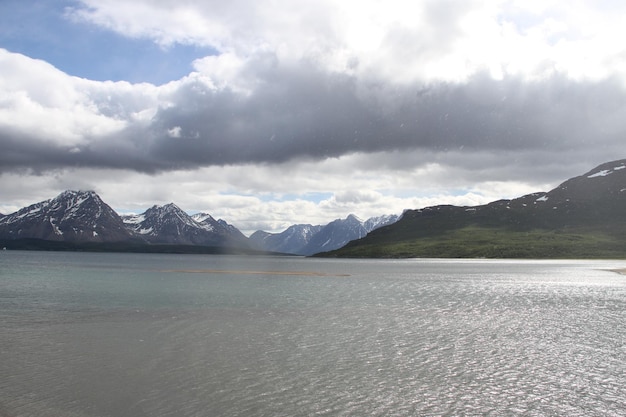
(170, 224)
(72, 215)
(203, 217)
(354, 218)
(170, 206)
(76, 197)
(73, 193)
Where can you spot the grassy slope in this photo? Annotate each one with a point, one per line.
(476, 242)
(499, 230)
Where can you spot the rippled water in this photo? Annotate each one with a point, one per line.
(166, 335)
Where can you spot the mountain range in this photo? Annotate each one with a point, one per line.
(305, 239)
(170, 225)
(81, 220)
(584, 217)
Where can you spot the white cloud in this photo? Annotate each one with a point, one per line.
(399, 40)
(42, 102)
(174, 132)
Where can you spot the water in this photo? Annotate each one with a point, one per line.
(167, 335)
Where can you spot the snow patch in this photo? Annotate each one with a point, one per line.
(201, 217)
(602, 173)
(55, 228)
(543, 198)
(133, 218)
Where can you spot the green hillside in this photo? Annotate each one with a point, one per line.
(585, 217)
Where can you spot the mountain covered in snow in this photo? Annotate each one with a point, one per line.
(584, 217)
(291, 240)
(169, 224)
(82, 217)
(305, 239)
(79, 216)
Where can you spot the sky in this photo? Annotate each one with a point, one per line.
(268, 113)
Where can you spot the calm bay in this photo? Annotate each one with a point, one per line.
(102, 334)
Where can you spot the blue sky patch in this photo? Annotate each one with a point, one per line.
(39, 29)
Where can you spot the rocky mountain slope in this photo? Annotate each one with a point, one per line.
(79, 216)
(291, 240)
(169, 224)
(82, 217)
(341, 231)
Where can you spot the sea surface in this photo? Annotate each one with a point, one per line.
(192, 335)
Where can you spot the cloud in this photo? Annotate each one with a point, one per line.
(278, 112)
(324, 79)
(396, 40)
(46, 105)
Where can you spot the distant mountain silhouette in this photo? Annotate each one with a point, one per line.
(304, 239)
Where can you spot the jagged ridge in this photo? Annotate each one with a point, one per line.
(305, 239)
(79, 216)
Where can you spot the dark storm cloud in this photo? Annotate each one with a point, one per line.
(302, 112)
(307, 114)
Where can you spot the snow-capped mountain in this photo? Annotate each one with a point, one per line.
(341, 231)
(82, 217)
(375, 222)
(291, 240)
(78, 216)
(335, 235)
(169, 224)
(220, 226)
(305, 239)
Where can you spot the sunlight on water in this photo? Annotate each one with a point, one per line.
(139, 335)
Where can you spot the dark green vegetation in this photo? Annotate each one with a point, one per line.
(585, 217)
(476, 242)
